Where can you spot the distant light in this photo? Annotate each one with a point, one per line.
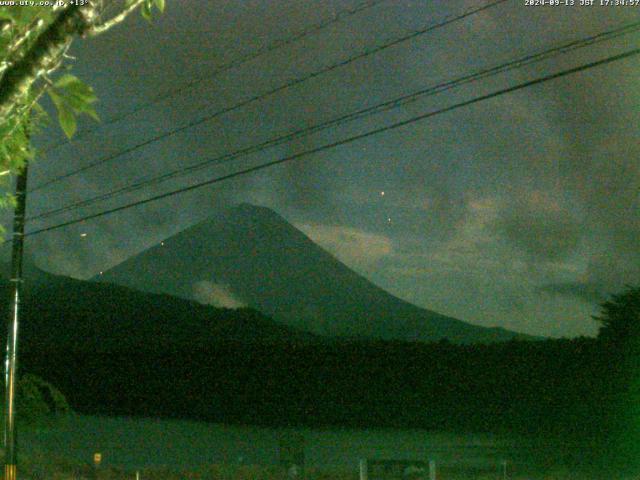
(83, 234)
(382, 194)
(389, 219)
(100, 273)
(162, 243)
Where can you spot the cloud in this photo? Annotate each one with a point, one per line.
(538, 225)
(587, 292)
(215, 294)
(611, 271)
(350, 245)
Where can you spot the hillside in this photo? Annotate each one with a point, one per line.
(61, 313)
(112, 350)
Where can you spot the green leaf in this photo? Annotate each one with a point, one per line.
(146, 9)
(66, 80)
(66, 115)
(6, 13)
(160, 5)
(67, 122)
(77, 103)
(89, 110)
(72, 97)
(76, 88)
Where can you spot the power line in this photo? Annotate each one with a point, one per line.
(400, 101)
(563, 73)
(275, 45)
(279, 89)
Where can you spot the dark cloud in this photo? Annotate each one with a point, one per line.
(584, 291)
(539, 226)
(612, 271)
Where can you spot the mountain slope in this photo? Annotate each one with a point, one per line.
(254, 256)
(63, 313)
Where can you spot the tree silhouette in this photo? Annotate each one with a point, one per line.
(620, 336)
(620, 318)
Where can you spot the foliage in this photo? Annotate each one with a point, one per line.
(33, 61)
(620, 318)
(72, 97)
(619, 337)
(38, 400)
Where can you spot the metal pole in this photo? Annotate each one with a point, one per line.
(11, 358)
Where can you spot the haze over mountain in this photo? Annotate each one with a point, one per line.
(250, 255)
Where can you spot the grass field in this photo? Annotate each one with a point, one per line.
(160, 448)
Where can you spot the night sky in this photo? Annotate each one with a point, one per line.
(519, 212)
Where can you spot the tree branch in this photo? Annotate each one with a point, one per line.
(30, 30)
(103, 27)
(18, 79)
(24, 108)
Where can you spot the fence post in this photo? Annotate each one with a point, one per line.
(363, 469)
(432, 470)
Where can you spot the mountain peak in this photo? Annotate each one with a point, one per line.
(250, 208)
(239, 217)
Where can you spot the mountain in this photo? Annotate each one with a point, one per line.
(250, 255)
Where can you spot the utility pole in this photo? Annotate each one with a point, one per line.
(11, 359)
